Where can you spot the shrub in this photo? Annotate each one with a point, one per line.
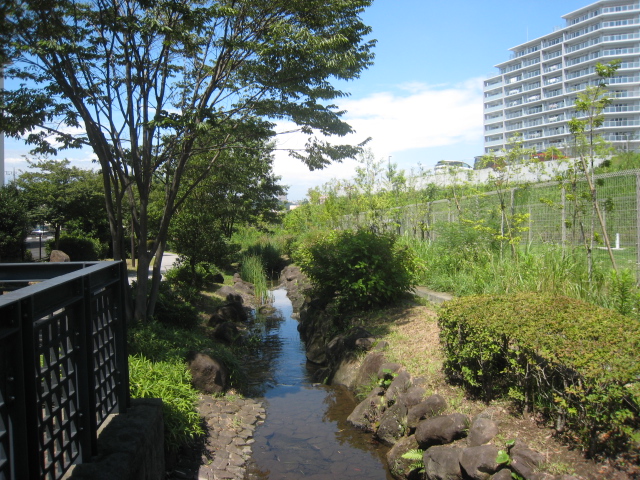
(79, 249)
(564, 357)
(358, 269)
(189, 280)
(171, 308)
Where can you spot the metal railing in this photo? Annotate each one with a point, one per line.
(63, 364)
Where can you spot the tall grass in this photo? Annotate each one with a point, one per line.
(465, 264)
(252, 270)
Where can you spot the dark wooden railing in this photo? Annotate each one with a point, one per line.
(63, 364)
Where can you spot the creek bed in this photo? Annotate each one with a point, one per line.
(305, 434)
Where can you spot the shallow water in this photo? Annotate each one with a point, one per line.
(305, 434)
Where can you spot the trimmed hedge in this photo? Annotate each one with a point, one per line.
(570, 360)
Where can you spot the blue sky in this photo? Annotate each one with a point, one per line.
(422, 100)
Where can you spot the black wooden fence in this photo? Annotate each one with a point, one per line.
(63, 364)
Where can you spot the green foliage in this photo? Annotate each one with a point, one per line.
(416, 456)
(189, 280)
(566, 358)
(252, 271)
(358, 269)
(203, 90)
(79, 248)
(171, 382)
(171, 308)
(14, 223)
(270, 257)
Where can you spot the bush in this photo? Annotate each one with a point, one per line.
(171, 308)
(566, 358)
(79, 249)
(187, 280)
(358, 269)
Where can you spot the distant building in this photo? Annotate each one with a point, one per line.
(535, 90)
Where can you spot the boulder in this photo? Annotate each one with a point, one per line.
(479, 463)
(367, 413)
(442, 463)
(482, 431)
(504, 474)
(58, 256)
(228, 333)
(441, 430)
(242, 286)
(413, 396)
(368, 370)
(399, 385)
(429, 407)
(208, 375)
(217, 278)
(387, 369)
(524, 460)
(392, 424)
(401, 467)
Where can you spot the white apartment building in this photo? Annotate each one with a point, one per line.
(535, 90)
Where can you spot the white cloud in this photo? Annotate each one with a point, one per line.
(413, 117)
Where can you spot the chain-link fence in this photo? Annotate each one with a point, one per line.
(552, 212)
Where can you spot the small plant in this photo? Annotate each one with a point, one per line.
(415, 455)
(504, 457)
(388, 377)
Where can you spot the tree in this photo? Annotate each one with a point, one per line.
(242, 190)
(59, 194)
(14, 223)
(590, 104)
(143, 81)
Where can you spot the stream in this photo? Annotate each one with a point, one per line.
(305, 434)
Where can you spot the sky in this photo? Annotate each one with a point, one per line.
(421, 101)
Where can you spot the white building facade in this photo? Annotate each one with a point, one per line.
(535, 91)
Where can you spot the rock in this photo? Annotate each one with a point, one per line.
(504, 474)
(387, 370)
(525, 461)
(482, 431)
(346, 371)
(430, 407)
(479, 463)
(399, 385)
(367, 413)
(217, 278)
(401, 467)
(392, 424)
(413, 396)
(244, 287)
(207, 374)
(368, 370)
(381, 346)
(227, 332)
(365, 344)
(58, 256)
(442, 463)
(316, 351)
(441, 430)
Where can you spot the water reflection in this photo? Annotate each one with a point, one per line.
(305, 434)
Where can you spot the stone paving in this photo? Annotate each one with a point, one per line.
(230, 422)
